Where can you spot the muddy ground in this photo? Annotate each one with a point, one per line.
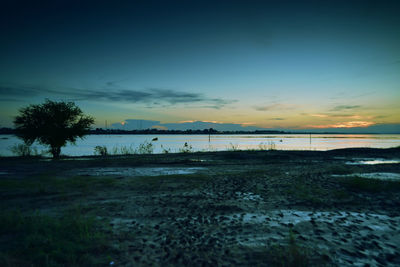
(236, 208)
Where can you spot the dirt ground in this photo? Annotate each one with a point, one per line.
(234, 208)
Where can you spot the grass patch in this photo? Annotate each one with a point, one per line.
(164, 182)
(309, 193)
(360, 184)
(339, 169)
(48, 185)
(42, 240)
(290, 255)
(341, 195)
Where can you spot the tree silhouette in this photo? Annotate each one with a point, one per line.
(52, 124)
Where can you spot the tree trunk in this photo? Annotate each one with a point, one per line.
(55, 151)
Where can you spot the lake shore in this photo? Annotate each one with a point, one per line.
(241, 208)
(159, 144)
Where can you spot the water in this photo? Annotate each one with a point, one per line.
(217, 142)
(131, 172)
(388, 176)
(372, 161)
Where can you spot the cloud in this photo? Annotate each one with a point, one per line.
(319, 115)
(265, 108)
(134, 124)
(154, 97)
(329, 115)
(159, 127)
(349, 124)
(347, 95)
(151, 97)
(9, 99)
(275, 106)
(345, 107)
(277, 119)
(20, 91)
(380, 117)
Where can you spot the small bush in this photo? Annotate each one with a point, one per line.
(123, 150)
(267, 146)
(100, 150)
(145, 148)
(24, 150)
(233, 147)
(186, 148)
(165, 150)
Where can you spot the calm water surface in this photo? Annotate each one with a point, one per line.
(217, 142)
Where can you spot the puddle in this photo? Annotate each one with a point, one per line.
(136, 171)
(372, 161)
(248, 196)
(386, 176)
(200, 160)
(75, 159)
(66, 159)
(285, 217)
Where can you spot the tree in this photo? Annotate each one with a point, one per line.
(52, 124)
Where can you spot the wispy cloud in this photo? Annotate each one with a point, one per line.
(345, 107)
(380, 117)
(319, 115)
(19, 91)
(151, 97)
(329, 115)
(348, 95)
(348, 124)
(274, 106)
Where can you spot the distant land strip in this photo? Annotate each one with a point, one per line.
(100, 131)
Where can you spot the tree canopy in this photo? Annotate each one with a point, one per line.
(53, 124)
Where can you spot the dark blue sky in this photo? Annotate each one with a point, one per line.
(288, 64)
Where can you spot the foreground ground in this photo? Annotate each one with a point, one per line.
(243, 208)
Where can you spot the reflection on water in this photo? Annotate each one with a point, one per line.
(136, 171)
(373, 161)
(219, 142)
(373, 175)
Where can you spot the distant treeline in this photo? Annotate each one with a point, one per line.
(205, 131)
(157, 131)
(7, 131)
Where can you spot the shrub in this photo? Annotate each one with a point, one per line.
(269, 146)
(145, 148)
(186, 148)
(24, 150)
(123, 150)
(100, 150)
(165, 150)
(233, 147)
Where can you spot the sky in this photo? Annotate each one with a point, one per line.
(266, 64)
